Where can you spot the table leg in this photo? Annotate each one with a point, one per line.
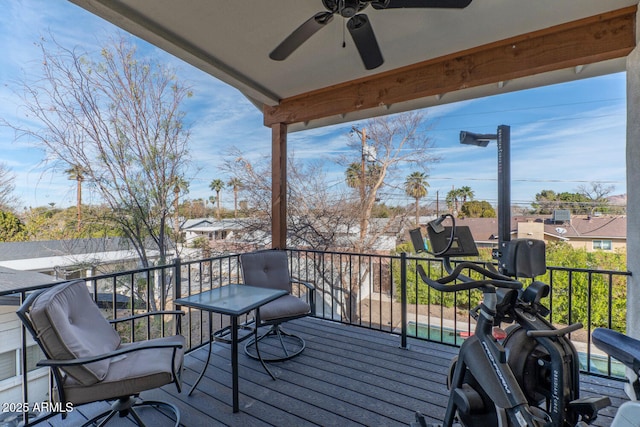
(234, 361)
(206, 364)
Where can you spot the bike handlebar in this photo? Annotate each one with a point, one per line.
(494, 279)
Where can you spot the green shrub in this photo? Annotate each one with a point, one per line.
(592, 298)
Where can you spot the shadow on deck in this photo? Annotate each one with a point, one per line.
(346, 376)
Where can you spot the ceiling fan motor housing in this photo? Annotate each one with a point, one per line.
(345, 8)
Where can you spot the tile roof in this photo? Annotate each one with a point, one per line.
(580, 226)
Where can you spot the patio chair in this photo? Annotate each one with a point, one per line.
(88, 360)
(270, 269)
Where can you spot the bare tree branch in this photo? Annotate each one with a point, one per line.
(118, 116)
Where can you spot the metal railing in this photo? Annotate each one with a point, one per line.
(384, 292)
(380, 292)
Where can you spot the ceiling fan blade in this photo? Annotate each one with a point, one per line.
(365, 40)
(300, 35)
(442, 4)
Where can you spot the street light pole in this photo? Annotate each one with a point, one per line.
(504, 190)
(503, 138)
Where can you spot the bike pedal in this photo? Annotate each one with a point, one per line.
(588, 407)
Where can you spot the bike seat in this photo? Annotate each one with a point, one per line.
(619, 346)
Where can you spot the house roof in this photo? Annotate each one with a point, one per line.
(580, 226)
(609, 227)
(431, 56)
(52, 248)
(482, 229)
(210, 224)
(50, 254)
(196, 222)
(14, 280)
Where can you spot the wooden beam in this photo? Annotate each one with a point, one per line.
(279, 185)
(598, 38)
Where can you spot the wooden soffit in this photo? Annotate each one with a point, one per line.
(574, 44)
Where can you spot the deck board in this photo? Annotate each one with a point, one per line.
(347, 376)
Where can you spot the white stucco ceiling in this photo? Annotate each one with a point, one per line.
(231, 40)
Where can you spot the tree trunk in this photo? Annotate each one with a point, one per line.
(79, 203)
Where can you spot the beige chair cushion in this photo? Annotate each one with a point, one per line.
(71, 326)
(131, 373)
(284, 307)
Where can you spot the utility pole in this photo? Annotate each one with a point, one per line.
(363, 172)
(363, 151)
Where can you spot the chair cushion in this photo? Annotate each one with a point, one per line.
(131, 373)
(266, 269)
(70, 325)
(285, 307)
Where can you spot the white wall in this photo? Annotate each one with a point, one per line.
(10, 340)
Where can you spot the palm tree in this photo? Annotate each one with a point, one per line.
(465, 193)
(416, 186)
(76, 173)
(217, 185)
(353, 175)
(453, 198)
(180, 186)
(236, 184)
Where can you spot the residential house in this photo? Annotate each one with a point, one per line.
(10, 344)
(237, 235)
(597, 232)
(68, 259)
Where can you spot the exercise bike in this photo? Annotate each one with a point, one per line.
(529, 376)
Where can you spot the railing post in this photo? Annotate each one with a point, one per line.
(23, 366)
(177, 288)
(403, 299)
(177, 291)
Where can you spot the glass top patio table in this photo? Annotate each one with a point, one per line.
(233, 300)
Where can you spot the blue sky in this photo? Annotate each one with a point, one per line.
(562, 136)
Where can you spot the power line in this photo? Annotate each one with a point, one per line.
(443, 178)
(511, 110)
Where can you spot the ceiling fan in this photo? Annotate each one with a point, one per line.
(358, 25)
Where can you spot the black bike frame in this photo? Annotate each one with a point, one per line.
(492, 371)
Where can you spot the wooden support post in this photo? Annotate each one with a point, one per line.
(279, 185)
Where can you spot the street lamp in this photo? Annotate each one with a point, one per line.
(503, 137)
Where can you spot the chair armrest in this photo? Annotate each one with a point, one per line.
(147, 314)
(311, 293)
(309, 285)
(84, 360)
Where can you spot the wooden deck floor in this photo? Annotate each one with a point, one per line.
(347, 376)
